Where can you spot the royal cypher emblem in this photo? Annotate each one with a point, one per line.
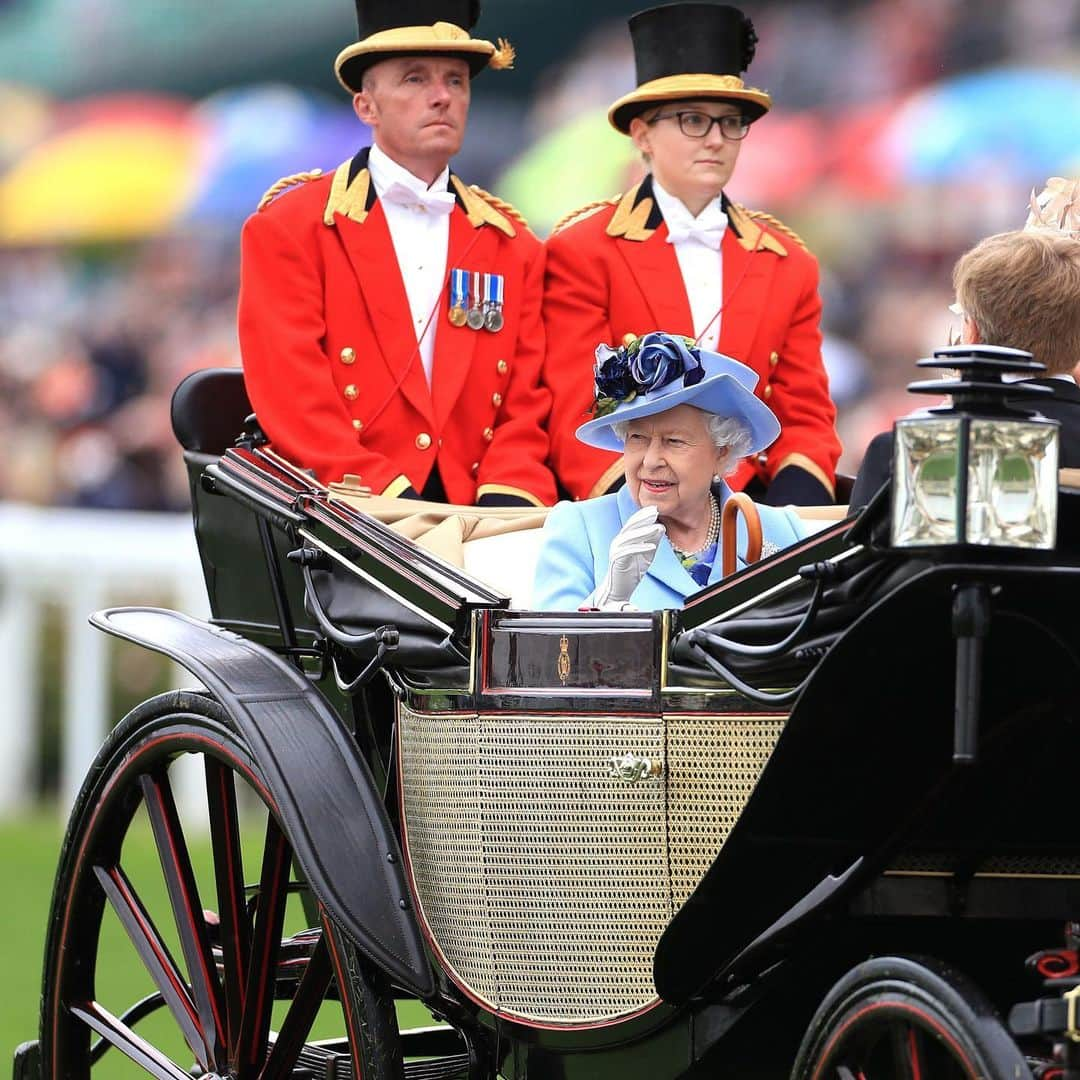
(563, 664)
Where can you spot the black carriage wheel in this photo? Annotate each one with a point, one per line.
(896, 1018)
(215, 965)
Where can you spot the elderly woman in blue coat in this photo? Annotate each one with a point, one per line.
(683, 418)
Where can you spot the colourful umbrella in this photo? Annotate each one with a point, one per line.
(584, 160)
(1012, 122)
(256, 135)
(24, 117)
(111, 170)
(779, 160)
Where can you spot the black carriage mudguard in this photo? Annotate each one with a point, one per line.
(332, 813)
(865, 764)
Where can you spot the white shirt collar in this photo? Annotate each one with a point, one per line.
(385, 172)
(676, 212)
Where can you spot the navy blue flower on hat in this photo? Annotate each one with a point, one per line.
(660, 371)
(641, 366)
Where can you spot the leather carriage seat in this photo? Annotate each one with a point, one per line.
(497, 545)
(210, 409)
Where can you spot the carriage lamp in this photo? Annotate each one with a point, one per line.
(967, 481)
(979, 471)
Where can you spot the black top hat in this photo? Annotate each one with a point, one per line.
(689, 51)
(390, 28)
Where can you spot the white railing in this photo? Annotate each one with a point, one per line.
(78, 561)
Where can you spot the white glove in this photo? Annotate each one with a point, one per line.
(629, 557)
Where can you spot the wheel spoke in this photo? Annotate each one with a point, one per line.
(127, 1042)
(905, 1051)
(231, 995)
(187, 909)
(915, 1053)
(265, 945)
(156, 958)
(142, 1008)
(229, 877)
(301, 1015)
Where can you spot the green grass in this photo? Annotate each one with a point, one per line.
(29, 850)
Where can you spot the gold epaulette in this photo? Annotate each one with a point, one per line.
(277, 188)
(582, 212)
(777, 224)
(347, 198)
(500, 204)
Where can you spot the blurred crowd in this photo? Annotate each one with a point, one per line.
(92, 346)
(93, 340)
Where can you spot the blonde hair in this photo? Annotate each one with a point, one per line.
(1022, 290)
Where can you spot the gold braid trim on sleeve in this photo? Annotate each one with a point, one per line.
(777, 224)
(279, 186)
(499, 204)
(582, 212)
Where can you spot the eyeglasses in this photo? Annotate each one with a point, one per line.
(696, 125)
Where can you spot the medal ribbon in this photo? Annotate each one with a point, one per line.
(493, 291)
(459, 288)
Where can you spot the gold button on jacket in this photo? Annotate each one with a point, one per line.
(351, 392)
(496, 399)
(423, 441)
(488, 434)
(348, 356)
(358, 425)
(502, 367)
(774, 359)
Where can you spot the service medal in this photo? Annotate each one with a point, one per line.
(493, 302)
(475, 317)
(459, 287)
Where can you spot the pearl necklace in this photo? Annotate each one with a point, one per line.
(710, 537)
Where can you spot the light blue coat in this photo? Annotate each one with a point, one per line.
(574, 553)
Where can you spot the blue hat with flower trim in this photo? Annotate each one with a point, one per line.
(654, 373)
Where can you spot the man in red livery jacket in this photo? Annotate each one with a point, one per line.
(674, 254)
(390, 315)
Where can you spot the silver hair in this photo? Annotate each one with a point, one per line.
(727, 433)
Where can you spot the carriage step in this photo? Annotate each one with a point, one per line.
(28, 1061)
(326, 1064)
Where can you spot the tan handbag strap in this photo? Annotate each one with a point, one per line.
(739, 502)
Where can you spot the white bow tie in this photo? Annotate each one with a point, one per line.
(708, 229)
(431, 202)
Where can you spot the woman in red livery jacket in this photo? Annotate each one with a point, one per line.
(675, 254)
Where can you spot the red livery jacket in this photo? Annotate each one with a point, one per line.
(331, 360)
(611, 272)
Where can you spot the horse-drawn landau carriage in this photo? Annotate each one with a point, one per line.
(816, 823)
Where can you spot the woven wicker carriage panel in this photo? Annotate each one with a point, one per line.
(713, 765)
(546, 883)
(440, 787)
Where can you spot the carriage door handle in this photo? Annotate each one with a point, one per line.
(631, 768)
